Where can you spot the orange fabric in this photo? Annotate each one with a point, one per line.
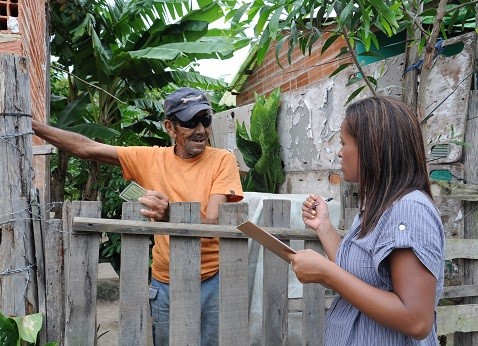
(183, 180)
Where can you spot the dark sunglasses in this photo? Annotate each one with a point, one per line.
(192, 123)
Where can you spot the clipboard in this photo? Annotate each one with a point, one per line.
(266, 239)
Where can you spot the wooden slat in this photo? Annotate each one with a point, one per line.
(46, 149)
(448, 189)
(184, 273)
(470, 268)
(233, 280)
(457, 318)
(461, 248)
(55, 310)
(460, 291)
(134, 298)
(173, 228)
(81, 270)
(275, 275)
(313, 309)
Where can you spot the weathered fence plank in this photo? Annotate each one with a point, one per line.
(54, 280)
(185, 285)
(17, 260)
(275, 274)
(457, 318)
(134, 307)
(313, 306)
(38, 233)
(81, 263)
(461, 248)
(470, 268)
(233, 280)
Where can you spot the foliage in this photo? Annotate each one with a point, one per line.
(14, 330)
(115, 62)
(261, 149)
(302, 23)
(116, 54)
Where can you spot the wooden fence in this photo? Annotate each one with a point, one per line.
(78, 234)
(81, 229)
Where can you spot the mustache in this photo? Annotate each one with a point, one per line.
(198, 138)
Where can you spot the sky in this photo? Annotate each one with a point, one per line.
(227, 69)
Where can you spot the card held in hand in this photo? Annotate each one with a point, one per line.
(266, 239)
(132, 192)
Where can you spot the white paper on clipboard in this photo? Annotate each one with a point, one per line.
(266, 239)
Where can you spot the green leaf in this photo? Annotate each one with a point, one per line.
(274, 23)
(384, 9)
(354, 94)
(8, 332)
(73, 111)
(340, 68)
(94, 131)
(263, 19)
(29, 326)
(331, 39)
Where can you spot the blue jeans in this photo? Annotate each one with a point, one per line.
(159, 304)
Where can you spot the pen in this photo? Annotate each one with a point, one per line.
(316, 203)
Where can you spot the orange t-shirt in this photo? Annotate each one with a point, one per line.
(183, 180)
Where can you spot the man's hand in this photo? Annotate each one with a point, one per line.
(157, 204)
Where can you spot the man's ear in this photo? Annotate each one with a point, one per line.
(170, 129)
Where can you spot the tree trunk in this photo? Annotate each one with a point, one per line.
(58, 183)
(90, 192)
(410, 79)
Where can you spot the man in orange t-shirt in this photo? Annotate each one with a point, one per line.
(189, 171)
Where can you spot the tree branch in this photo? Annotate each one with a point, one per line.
(413, 18)
(356, 62)
(460, 6)
(428, 59)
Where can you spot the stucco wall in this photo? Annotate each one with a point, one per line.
(310, 117)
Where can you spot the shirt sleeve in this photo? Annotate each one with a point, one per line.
(416, 225)
(227, 180)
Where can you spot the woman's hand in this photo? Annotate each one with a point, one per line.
(315, 212)
(157, 204)
(310, 266)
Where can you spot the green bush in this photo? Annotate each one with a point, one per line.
(261, 149)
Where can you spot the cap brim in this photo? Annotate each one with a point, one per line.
(191, 111)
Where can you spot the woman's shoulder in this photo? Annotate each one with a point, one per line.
(415, 198)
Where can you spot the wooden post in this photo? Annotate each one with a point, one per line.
(348, 206)
(184, 275)
(81, 275)
(276, 286)
(18, 295)
(134, 298)
(233, 279)
(471, 208)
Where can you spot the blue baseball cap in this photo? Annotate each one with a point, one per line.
(185, 103)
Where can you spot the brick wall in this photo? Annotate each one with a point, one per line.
(302, 71)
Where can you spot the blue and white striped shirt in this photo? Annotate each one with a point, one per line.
(411, 222)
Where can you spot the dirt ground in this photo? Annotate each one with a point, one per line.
(107, 307)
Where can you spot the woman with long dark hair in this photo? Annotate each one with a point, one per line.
(388, 269)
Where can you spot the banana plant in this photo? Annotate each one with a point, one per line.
(116, 53)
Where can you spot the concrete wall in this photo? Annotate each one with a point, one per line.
(310, 118)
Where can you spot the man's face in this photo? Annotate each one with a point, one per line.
(190, 141)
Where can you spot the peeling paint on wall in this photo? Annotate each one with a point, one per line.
(310, 118)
